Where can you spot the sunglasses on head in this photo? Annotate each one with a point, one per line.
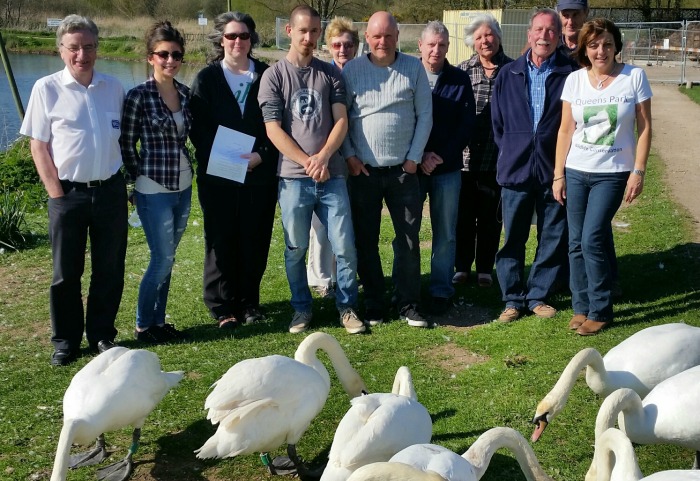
(234, 36)
(164, 54)
(347, 45)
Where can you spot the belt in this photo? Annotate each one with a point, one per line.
(385, 169)
(91, 184)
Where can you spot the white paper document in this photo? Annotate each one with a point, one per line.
(225, 159)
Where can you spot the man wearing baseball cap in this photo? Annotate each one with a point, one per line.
(573, 14)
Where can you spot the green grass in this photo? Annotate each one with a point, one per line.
(515, 366)
(692, 93)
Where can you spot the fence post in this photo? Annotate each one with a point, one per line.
(11, 79)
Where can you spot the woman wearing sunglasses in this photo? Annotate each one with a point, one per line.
(157, 114)
(342, 40)
(238, 218)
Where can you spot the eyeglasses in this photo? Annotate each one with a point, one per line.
(164, 54)
(234, 36)
(347, 45)
(78, 48)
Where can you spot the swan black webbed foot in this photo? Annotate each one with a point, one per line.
(89, 458)
(121, 470)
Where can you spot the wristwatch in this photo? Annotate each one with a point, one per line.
(639, 172)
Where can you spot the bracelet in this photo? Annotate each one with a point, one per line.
(559, 178)
(639, 172)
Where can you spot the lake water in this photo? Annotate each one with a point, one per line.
(27, 69)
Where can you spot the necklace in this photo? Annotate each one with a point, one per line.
(601, 83)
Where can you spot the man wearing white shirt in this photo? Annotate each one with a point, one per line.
(73, 119)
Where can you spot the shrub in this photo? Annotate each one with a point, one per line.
(18, 174)
(12, 219)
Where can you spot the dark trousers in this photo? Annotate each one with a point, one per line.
(478, 222)
(100, 213)
(401, 193)
(238, 222)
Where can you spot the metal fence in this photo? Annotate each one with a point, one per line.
(668, 51)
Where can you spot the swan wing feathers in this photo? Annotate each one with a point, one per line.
(667, 409)
(376, 427)
(652, 355)
(431, 457)
(272, 378)
(675, 475)
(117, 389)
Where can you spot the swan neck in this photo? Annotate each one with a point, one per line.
(307, 354)
(403, 384)
(481, 452)
(614, 454)
(62, 460)
(623, 401)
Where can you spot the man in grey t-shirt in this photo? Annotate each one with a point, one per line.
(390, 117)
(303, 104)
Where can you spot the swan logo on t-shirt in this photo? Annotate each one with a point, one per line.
(306, 104)
(600, 123)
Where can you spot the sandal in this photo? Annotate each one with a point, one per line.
(228, 322)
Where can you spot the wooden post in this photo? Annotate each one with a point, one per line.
(11, 79)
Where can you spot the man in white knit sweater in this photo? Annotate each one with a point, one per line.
(390, 118)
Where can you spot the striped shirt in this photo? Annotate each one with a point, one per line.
(537, 79)
(482, 152)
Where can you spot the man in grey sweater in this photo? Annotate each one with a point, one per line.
(390, 118)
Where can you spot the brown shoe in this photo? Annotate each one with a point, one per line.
(591, 328)
(544, 311)
(510, 314)
(576, 321)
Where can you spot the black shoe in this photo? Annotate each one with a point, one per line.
(252, 315)
(174, 334)
(104, 345)
(440, 305)
(63, 357)
(153, 335)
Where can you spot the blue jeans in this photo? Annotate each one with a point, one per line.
(591, 202)
(443, 190)
(518, 204)
(299, 199)
(164, 218)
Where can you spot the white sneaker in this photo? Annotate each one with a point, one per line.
(350, 321)
(300, 322)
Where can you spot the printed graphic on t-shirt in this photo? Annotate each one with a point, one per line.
(241, 93)
(306, 104)
(600, 122)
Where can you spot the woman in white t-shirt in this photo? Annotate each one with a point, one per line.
(599, 161)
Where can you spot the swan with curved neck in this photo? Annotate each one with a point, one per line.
(262, 403)
(640, 362)
(616, 461)
(376, 427)
(472, 465)
(118, 388)
(667, 415)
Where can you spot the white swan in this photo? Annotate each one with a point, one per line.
(376, 427)
(118, 388)
(472, 465)
(640, 362)
(263, 403)
(667, 415)
(393, 472)
(615, 461)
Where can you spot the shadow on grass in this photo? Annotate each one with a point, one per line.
(175, 458)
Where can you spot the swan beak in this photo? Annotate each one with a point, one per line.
(541, 424)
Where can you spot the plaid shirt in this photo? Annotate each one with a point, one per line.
(537, 77)
(146, 118)
(482, 152)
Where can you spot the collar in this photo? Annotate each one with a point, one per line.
(68, 79)
(546, 65)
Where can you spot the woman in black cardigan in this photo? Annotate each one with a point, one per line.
(238, 218)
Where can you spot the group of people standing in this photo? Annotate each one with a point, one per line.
(491, 138)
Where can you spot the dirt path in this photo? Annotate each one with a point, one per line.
(676, 139)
